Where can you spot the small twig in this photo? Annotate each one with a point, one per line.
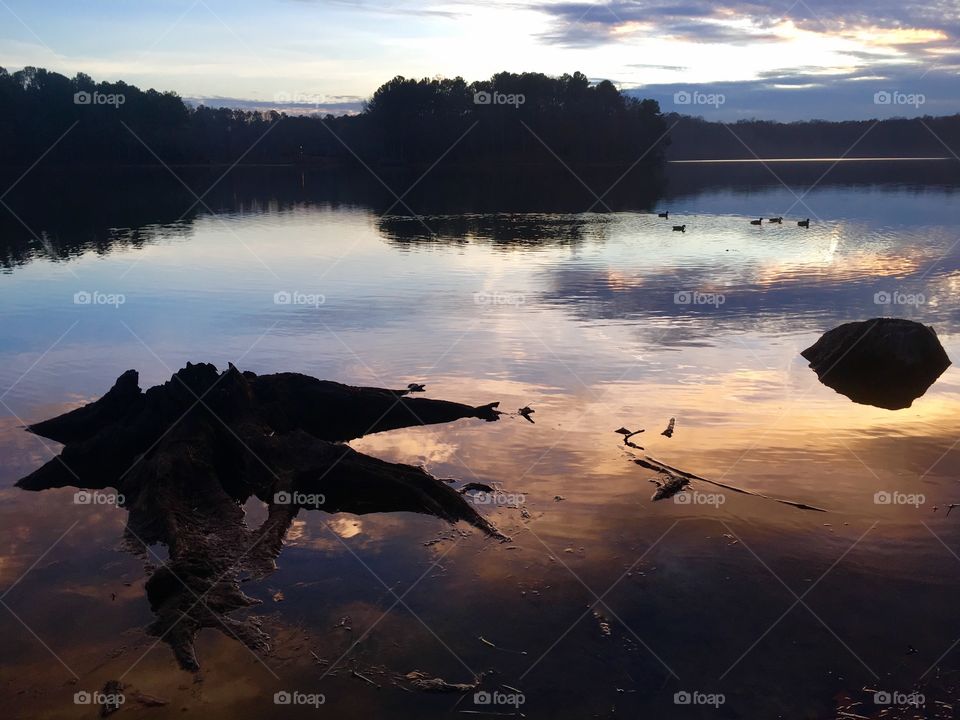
(364, 678)
(495, 647)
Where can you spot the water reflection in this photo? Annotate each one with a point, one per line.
(576, 315)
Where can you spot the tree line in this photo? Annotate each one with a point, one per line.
(515, 118)
(695, 138)
(512, 118)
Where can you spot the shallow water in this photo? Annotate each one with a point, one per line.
(584, 317)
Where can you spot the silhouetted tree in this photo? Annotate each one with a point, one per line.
(406, 121)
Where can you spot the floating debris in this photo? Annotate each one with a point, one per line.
(497, 647)
(476, 487)
(111, 698)
(675, 476)
(670, 487)
(627, 434)
(345, 622)
(357, 675)
(150, 700)
(603, 623)
(669, 431)
(421, 681)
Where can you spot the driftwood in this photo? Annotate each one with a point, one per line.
(186, 455)
(677, 480)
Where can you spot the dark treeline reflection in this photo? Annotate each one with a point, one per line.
(502, 229)
(64, 213)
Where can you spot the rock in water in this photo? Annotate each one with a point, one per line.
(186, 455)
(885, 362)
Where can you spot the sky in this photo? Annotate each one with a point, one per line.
(722, 59)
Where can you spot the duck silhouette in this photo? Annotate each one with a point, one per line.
(679, 228)
(756, 222)
(664, 214)
(804, 223)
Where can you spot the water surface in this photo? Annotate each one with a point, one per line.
(582, 315)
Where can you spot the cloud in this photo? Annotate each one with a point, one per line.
(885, 23)
(648, 66)
(339, 105)
(584, 24)
(802, 94)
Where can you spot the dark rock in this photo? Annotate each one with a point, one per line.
(885, 362)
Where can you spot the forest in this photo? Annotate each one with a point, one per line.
(515, 118)
(510, 119)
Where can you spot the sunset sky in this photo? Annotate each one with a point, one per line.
(766, 58)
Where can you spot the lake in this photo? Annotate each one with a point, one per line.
(586, 307)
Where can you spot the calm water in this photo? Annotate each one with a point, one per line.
(576, 315)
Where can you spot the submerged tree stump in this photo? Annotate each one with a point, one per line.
(186, 455)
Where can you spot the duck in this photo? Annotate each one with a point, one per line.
(777, 220)
(679, 228)
(756, 222)
(804, 223)
(416, 387)
(664, 214)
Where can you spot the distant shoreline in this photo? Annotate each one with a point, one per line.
(812, 160)
(332, 164)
